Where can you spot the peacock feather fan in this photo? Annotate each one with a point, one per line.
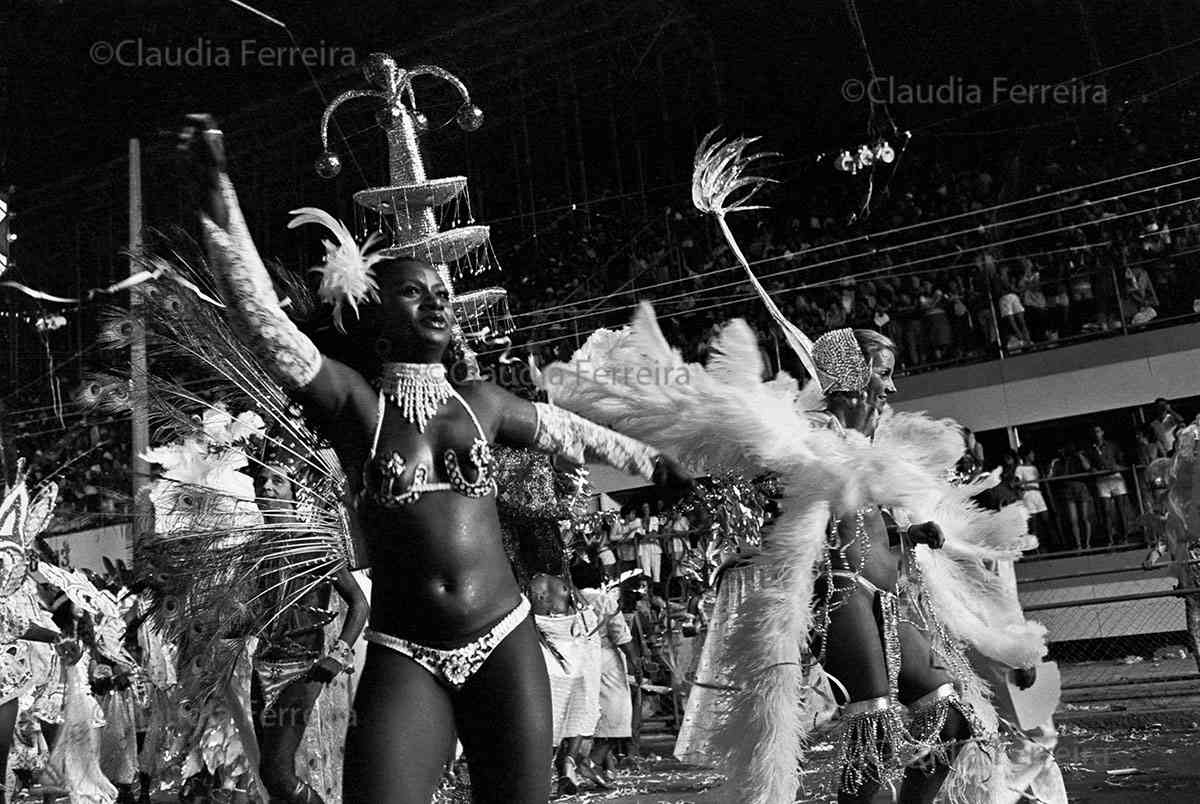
(208, 563)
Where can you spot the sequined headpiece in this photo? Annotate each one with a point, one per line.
(404, 214)
(840, 362)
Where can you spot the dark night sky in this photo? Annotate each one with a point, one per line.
(783, 61)
(782, 66)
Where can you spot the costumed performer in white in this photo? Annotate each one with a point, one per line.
(1175, 487)
(840, 466)
(23, 620)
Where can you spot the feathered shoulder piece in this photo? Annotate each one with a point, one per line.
(934, 444)
(347, 277)
(21, 521)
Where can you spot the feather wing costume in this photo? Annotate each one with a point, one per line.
(724, 416)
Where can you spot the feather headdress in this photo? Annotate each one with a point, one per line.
(719, 174)
(347, 277)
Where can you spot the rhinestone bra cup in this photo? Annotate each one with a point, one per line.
(387, 487)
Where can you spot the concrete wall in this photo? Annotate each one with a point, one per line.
(85, 549)
(1067, 381)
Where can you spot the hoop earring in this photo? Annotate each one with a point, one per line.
(383, 347)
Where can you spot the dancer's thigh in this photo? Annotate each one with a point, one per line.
(8, 723)
(282, 729)
(920, 671)
(401, 732)
(504, 723)
(854, 652)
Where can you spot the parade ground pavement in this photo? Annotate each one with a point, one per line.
(1151, 763)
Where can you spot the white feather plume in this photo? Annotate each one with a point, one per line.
(725, 416)
(346, 275)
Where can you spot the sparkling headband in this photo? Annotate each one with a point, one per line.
(840, 362)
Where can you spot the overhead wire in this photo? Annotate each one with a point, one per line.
(893, 231)
(866, 273)
(888, 249)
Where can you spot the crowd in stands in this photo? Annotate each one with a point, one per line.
(919, 252)
(955, 282)
(1088, 490)
(89, 457)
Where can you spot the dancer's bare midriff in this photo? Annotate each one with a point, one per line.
(882, 566)
(440, 573)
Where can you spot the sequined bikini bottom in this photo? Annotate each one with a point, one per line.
(456, 665)
(276, 676)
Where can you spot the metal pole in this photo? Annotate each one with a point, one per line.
(995, 317)
(1072, 604)
(1117, 290)
(140, 423)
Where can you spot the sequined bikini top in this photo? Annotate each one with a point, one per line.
(384, 475)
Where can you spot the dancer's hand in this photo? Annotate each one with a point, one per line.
(1024, 677)
(668, 472)
(202, 144)
(326, 670)
(69, 649)
(927, 533)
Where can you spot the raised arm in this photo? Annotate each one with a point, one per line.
(252, 306)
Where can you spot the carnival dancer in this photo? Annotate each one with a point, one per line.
(618, 663)
(22, 618)
(1175, 521)
(452, 647)
(840, 463)
(566, 629)
(1027, 733)
(292, 664)
(73, 764)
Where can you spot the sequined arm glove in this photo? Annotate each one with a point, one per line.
(254, 310)
(564, 433)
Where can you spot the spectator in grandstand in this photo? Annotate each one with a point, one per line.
(935, 321)
(1148, 448)
(650, 551)
(1165, 423)
(1034, 299)
(1071, 494)
(1104, 455)
(627, 533)
(1029, 482)
(1139, 301)
(1014, 331)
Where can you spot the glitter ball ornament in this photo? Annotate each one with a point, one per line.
(470, 117)
(328, 165)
